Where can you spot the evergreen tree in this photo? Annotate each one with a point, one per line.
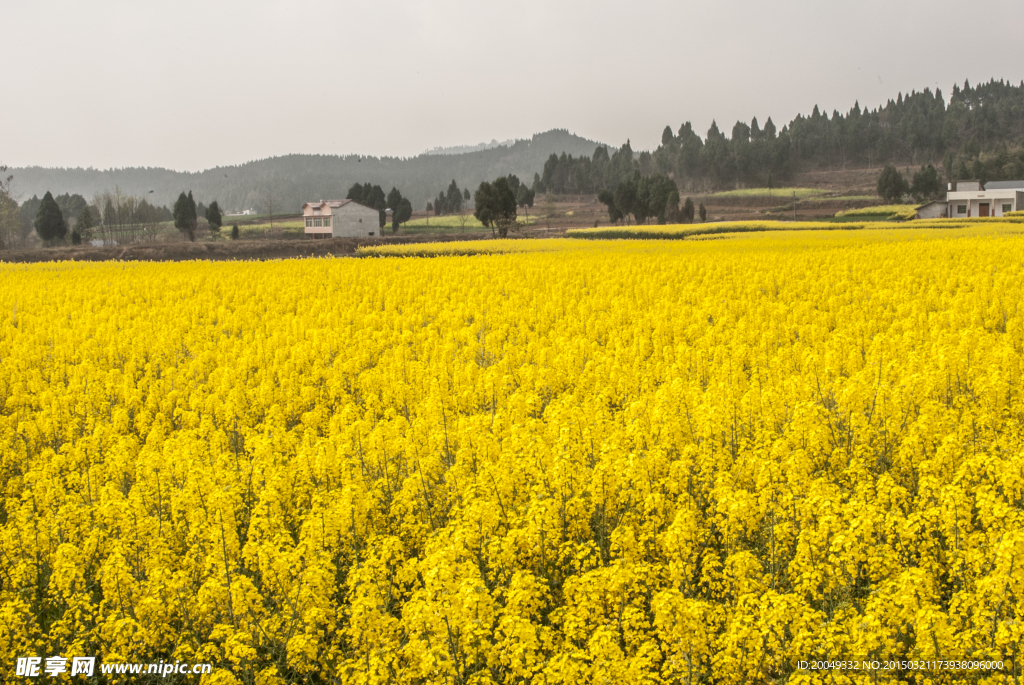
(401, 209)
(393, 199)
(403, 213)
(184, 213)
(525, 196)
(688, 211)
(49, 221)
(607, 197)
(234, 231)
(214, 217)
(666, 136)
(891, 185)
(180, 213)
(70, 205)
(496, 206)
(703, 213)
(926, 184)
(453, 199)
(371, 196)
(626, 197)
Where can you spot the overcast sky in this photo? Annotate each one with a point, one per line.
(191, 85)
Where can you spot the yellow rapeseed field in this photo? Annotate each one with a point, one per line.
(607, 462)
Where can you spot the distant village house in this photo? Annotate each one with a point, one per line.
(340, 219)
(969, 199)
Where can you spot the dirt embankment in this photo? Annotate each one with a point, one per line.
(237, 250)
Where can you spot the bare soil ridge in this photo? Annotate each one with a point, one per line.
(235, 250)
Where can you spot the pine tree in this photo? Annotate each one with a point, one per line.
(926, 183)
(398, 204)
(703, 213)
(234, 232)
(49, 221)
(402, 213)
(180, 213)
(666, 136)
(184, 213)
(688, 211)
(891, 184)
(214, 217)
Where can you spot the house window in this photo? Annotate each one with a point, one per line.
(327, 222)
(318, 222)
(961, 209)
(309, 222)
(370, 233)
(1007, 209)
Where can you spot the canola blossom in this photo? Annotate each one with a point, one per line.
(611, 462)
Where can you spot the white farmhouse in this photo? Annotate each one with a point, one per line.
(340, 219)
(972, 199)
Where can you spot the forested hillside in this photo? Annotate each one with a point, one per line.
(978, 134)
(288, 181)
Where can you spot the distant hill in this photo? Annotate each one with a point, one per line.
(294, 179)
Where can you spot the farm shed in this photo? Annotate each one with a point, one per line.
(932, 210)
(340, 219)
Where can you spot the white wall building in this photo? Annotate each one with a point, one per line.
(340, 219)
(996, 198)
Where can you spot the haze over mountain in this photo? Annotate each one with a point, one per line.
(460, 149)
(290, 180)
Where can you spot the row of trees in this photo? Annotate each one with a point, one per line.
(979, 134)
(496, 206)
(565, 174)
(644, 197)
(451, 201)
(401, 208)
(186, 216)
(914, 129)
(373, 196)
(124, 219)
(893, 187)
(497, 202)
(112, 217)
